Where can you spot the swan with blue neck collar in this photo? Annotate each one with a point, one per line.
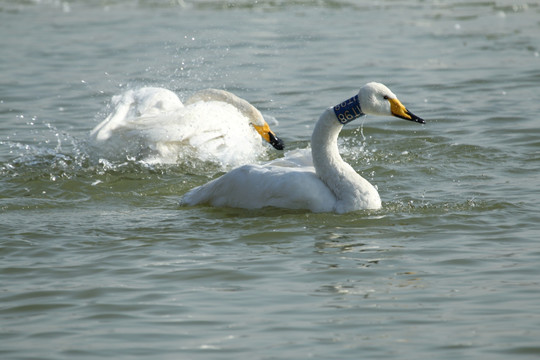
(329, 185)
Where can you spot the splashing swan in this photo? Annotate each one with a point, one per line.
(330, 185)
(153, 124)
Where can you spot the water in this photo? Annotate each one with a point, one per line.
(98, 260)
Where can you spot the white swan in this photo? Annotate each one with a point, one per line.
(330, 185)
(153, 124)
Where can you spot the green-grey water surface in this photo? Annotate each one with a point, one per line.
(99, 261)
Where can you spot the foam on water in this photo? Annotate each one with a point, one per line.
(139, 140)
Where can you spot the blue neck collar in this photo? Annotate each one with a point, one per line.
(348, 110)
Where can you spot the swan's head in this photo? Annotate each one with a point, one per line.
(257, 121)
(377, 99)
(264, 130)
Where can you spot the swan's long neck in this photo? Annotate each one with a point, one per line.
(324, 149)
(351, 190)
(242, 105)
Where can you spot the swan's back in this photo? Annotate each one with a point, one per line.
(257, 186)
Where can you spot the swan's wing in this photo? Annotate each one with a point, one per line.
(256, 186)
(151, 100)
(132, 106)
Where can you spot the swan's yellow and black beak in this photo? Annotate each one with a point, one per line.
(400, 111)
(269, 136)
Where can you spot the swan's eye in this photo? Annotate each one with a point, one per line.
(385, 97)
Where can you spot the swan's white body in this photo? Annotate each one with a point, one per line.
(329, 185)
(153, 124)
